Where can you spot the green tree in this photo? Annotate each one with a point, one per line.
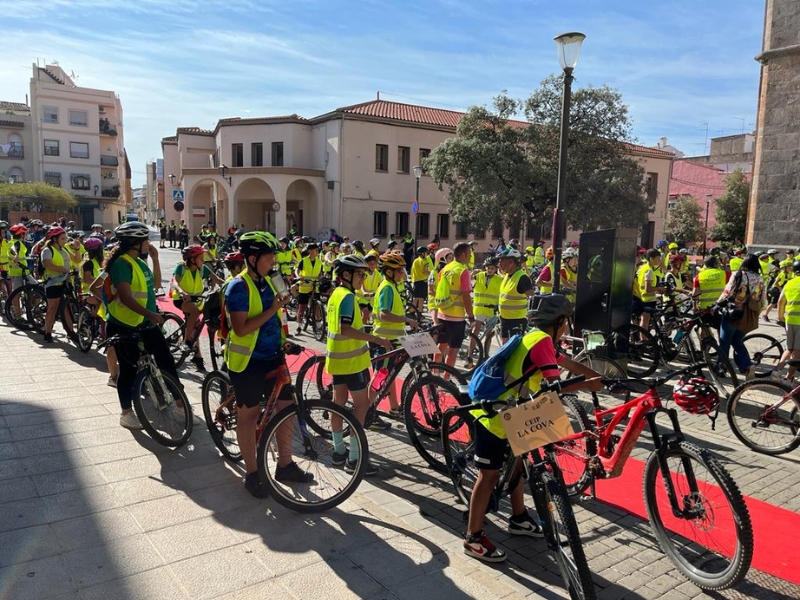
(47, 197)
(683, 221)
(496, 168)
(731, 213)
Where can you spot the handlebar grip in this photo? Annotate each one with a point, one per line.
(559, 384)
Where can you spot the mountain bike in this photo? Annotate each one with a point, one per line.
(695, 508)
(542, 472)
(311, 449)
(315, 314)
(764, 348)
(209, 318)
(88, 327)
(26, 305)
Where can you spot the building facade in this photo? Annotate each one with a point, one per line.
(350, 169)
(16, 142)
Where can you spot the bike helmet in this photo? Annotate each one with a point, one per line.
(442, 253)
(71, 224)
(787, 262)
(257, 243)
(306, 239)
(390, 260)
(573, 245)
(683, 251)
(54, 232)
(641, 250)
(36, 222)
(758, 254)
(661, 243)
(74, 234)
(433, 247)
(696, 395)
(334, 244)
(371, 255)
(285, 240)
(18, 229)
(569, 253)
(510, 253)
(358, 245)
(350, 263)
(673, 246)
(772, 251)
(796, 266)
(93, 243)
(548, 308)
(472, 243)
(132, 231)
(192, 252)
(676, 260)
(3, 224)
(421, 249)
(312, 246)
(529, 249)
(490, 262)
(96, 226)
(234, 257)
(374, 242)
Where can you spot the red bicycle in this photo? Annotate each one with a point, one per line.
(695, 508)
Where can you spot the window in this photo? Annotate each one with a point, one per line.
(480, 235)
(81, 182)
(443, 226)
(50, 114)
(78, 117)
(462, 231)
(51, 148)
(53, 178)
(423, 225)
(497, 229)
(257, 154)
(423, 154)
(379, 223)
(277, 154)
(401, 223)
(78, 150)
(237, 155)
(382, 158)
(16, 175)
(672, 202)
(403, 159)
(651, 186)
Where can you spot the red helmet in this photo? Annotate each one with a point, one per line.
(234, 257)
(54, 232)
(696, 395)
(433, 247)
(18, 229)
(193, 251)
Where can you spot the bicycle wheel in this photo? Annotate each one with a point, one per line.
(26, 307)
(643, 352)
(757, 423)
(172, 327)
(310, 384)
(573, 456)
(492, 342)
(313, 453)
(474, 357)
(720, 369)
(423, 407)
(291, 309)
(219, 410)
(608, 368)
(159, 413)
(320, 326)
(709, 536)
(763, 348)
(458, 448)
(434, 368)
(69, 311)
(562, 535)
(84, 329)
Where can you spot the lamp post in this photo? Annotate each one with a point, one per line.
(417, 174)
(705, 229)
(569, 50)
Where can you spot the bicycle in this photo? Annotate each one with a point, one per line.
(764, 414)
(26, 305)
(686, 490)
(542, 472)
(331, 485)
(315, 313)
(89, 327)
(764, 348)
(210, 319)
(157, 397)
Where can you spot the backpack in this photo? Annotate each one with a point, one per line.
(442, 297)
(487, 381)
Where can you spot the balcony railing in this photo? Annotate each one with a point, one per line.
(106, 128)
(108, 160)
(12, 151)
(112, 192)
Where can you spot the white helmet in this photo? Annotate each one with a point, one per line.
(569, 253)
(374, 242)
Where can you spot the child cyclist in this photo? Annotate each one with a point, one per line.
(90, 272)
(536, 355)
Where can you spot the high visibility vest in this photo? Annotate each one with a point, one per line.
(572, 277)
(512, 304)
(711, 283)
(454, 270)
(418, 269)
(764, 268)
(538, 256)
(85, 287)
(307, 270)
(297, 255)
(512, 370)
(210, 254)
(385, 329)
(15, 270)
(343, 355)
(284, 259)
(117, 309)
(735, 263)
(76, 256)
(370, 286)
(640, 275)
(190, 283)
(486, 293)
(4, 246)
(432, 295)
(58, 261)
(529, 262)
(792, 293)
(546, 287)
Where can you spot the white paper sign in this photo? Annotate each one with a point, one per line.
(419, 344)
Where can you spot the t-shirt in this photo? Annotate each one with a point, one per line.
(122, 272)
(347, 310)
(418, 269)
(386, 298)
(47, 254)
(543, 355)
(237, 299)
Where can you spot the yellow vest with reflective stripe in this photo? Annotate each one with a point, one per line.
(118, 310)
(385, 329)
(239, 349)
(512, 304)
(640, 275)
(371, 283)
(453, 272)
(190, 283)
(308, 271)
(85, 287)
(284, 259)
(471, 265)
(711, 283)
(736, 263)
(486, 294)
(343, 355)
(57, 260)
(4, 246)
(15, 270)
(792, 293)
(432, 295)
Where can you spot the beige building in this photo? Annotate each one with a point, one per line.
(16, 138)
(350, 169)
(78, 144)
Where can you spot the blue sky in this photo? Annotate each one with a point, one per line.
(679, 65)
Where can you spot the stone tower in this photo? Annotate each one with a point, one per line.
(774, 214)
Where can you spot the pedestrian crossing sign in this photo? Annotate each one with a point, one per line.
(177, 194)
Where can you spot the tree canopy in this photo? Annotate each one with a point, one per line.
(683, 221)
(499, 169)
(731, 214)
(47, 197)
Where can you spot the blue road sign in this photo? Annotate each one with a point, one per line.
(177, 194)
(415, 207)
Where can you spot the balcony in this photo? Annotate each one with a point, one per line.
(111, 192)
(12, 151)
(109, 160)
(106, 128)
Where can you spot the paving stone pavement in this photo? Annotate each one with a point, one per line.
(89, 510)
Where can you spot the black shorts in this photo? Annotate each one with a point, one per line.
(366, 305)
(355, 382)
(420, 289)
(303, 298)
(509, 327)
(55, 291)
(773, 294)
(251, 387)
(451, 333)
(640, 307)
(490, 451)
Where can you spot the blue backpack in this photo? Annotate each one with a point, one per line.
(487, 381)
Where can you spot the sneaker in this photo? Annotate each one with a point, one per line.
(750, 373)
(766, 318)
(48, 337)
(478, 546)
(112, 381)
(298, 330)
(379, 424)
(197, 361)
(369, 471)
(293, 473)
(396, 414)
(525, 525)
(339, 459)
(129, 421)
(253, 484)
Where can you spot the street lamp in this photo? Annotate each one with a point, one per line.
(569, 49)
(705, 229)
(223, 170)
(417, 174)
(172, 178)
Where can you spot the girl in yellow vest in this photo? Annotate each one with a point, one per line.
(308, 269)
(789, 312)
(17, 263)
(443, 257)
(254, 349)
(515, 289)
(91, 271)
(366, 294)
(5, 280)
(75, 249)
(455, 308)
(544, 281)
(486, 295)
(55, 259)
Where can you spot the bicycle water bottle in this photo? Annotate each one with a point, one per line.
(678, 336)
(383, 373)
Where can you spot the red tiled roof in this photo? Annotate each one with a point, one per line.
(195, 131)
(21, 106)
(262, 120)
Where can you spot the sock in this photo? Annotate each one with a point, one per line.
(353, 451)
(338, 442)
(520, 518)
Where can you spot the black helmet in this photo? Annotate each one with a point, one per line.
(490, 261)
(349, 262)
(547, 308)
(285, 240)
(306, 240)
(358, 244)
(796, 266)
(421, 249)
(312, 246)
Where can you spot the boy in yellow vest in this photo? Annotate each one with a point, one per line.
(789, 312)
(648, 285)
(308, 269)
(420, 270)
(515, 289)
(486, 294)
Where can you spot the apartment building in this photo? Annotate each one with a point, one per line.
(350, 169)
(154, 184)
(16, 138)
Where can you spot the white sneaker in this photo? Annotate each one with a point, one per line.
(129, 421)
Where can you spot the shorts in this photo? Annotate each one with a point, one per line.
(303, 298)
(420, 289)
(510, 327)
(490, 451)
(792, 337)
(640, 307)
(55, 291)
(355, 382)
(365, 305)
(451, 333)
(773, 294)
(251, 387)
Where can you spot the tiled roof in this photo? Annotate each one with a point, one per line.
(195, 131)
(13, 124)
(21, 106)
(262, 120)
(649, 150)
(172, 139)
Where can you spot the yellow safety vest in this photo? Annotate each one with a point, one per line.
(538, 256)
(486, 294)
(3, 254)
(529, 262)
(385, 329)
(117, 309)
(764, 269)
(210, 254)
(344, 355)
(308, 271)
(76, 256)
(792, 293)
(371, 283)
(546, 287)
(15, 270)
(736, 263)
(512, 304)
(453, 272)
(240, 348)
(191, 283)
(711, 283)
(432, 295)
(85, 287)
(640, 275)
(471, 260)
(57, 260)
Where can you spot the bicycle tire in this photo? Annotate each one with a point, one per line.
(458, 448)
(84, 330)
(608, 368)
(709, 568)
(70, 306)
(434, 368)
(291, 309)
(763, 348)
(476, 357)
(720, 369)
(32, 308)
(423, 407)
(316, 452)
(320, 324)
(220, 414)
(173, 329)
(573, 456)
(644, 354)
(156, 413)
(763, 433)
(558, 520)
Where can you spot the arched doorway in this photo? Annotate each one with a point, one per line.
(205, 203)
(255, 201)
(302, 209)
